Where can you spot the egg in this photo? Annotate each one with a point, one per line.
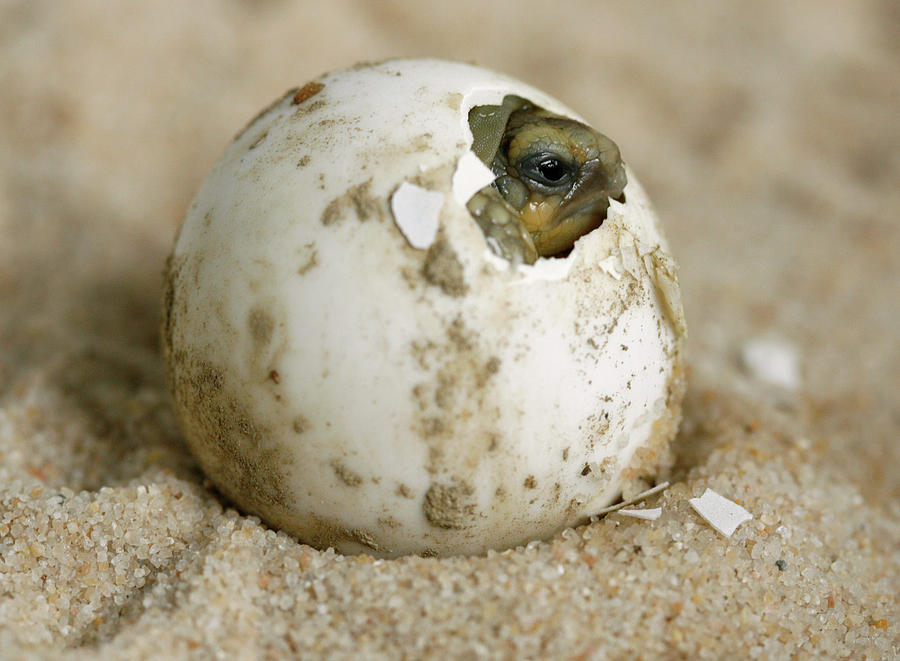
(371, 347)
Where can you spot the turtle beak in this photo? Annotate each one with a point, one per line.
(590, 194)
(584, 208)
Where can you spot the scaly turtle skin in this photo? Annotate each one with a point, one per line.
(554, 179)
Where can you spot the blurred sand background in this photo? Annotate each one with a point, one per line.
(768, 135)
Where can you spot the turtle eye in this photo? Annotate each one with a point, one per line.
(547, 172)
(552, 170)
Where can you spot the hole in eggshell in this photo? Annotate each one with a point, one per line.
(535, 181)
(416, 211)
(564, 253)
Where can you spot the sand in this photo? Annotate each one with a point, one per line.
(768, 135)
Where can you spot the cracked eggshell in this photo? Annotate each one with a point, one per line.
(352, 364)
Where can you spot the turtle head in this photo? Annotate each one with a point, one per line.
(559, 174)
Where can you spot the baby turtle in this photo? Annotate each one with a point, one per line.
(554, 178)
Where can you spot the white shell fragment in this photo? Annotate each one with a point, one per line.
(471, 176)
(416, 212)
(612, 266)
(719, 512)
(648, 514)
(772, 361)
(351, 363)
(631, 501)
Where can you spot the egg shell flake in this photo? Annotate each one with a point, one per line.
(396, 399)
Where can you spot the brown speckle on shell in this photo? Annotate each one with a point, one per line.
(443, 269)
(309, 258)
(261, 326)
(449, 506)
(365, 538)
(360, 199)
(259, 139)
(300, 424)
(345, 475)
(306, 92)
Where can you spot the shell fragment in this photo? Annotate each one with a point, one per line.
(471, 176)
(719, 512)
(648, 515)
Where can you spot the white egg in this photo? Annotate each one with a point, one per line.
(353, 364)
